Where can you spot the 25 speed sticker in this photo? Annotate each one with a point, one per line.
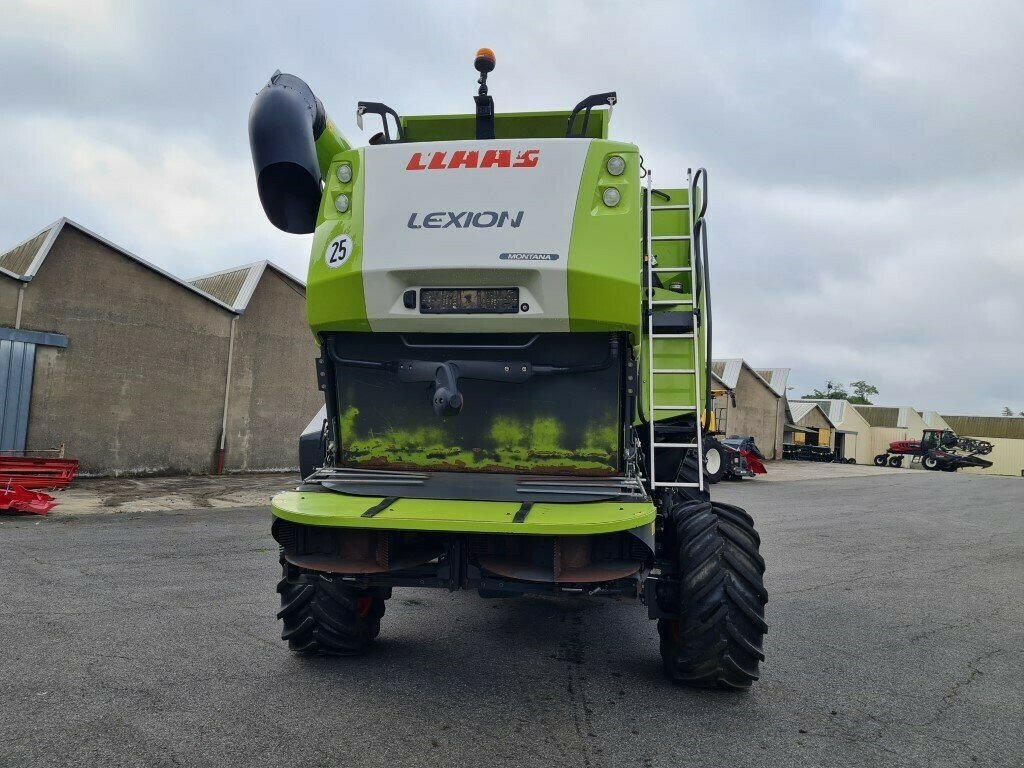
(338, 251)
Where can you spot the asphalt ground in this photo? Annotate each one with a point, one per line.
(897, 639)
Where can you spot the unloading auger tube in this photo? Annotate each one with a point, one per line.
(515, 275)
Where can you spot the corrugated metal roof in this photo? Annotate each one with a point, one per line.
(835, 410)
(801, 409)
(777, 378)
(1008, 427)
(50, 235)
(236, 286)
(18, 261)
(728, 371)
(880, 415)
(231, 289)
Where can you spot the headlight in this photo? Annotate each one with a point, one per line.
(341, 203)
(615, 165)
(344, 173)
(611, 197)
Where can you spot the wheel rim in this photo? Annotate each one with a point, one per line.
(713, 461)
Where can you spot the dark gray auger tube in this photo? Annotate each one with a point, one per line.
(286, 125)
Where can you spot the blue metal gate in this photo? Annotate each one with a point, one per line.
(17, 361)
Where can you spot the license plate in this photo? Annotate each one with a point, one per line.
(469, 301)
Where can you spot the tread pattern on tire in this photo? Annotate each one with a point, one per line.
(717, 640)
(324, 616)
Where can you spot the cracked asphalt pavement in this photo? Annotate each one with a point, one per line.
(896, 639)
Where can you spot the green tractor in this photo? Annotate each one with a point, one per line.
(515, 331)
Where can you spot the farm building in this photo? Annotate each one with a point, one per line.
(752, 406)
(808, 424)
(1006, 433)
(135, 370)
(852, 435)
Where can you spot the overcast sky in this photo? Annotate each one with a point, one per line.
(866, 159)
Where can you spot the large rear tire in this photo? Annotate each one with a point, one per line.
(325, 616)
(929, 462)
(717, 640)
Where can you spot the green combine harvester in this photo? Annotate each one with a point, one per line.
(515, 338)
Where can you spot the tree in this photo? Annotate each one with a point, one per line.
(861, 391)
(833, 391)
(1007, 411)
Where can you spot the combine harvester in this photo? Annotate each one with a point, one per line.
(938, 449)
(515, 336)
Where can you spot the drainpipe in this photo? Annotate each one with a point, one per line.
(227, 393)
(17, 315)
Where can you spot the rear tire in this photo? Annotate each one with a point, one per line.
(880, 460)
(714, 460)
(717, 640)
(325, 616)
(929, 462)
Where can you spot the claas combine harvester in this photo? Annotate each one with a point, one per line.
(514, 330)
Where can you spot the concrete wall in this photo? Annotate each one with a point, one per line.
(8, 300)
(140, 386)
(758, 412)
(273, 382)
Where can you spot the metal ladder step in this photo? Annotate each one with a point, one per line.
(690, 371)
(661, 484)
(674, 407)
(676, 445)
(671, 269)
(671, 335)
(670, 207)
(669, 301)
(670, 237)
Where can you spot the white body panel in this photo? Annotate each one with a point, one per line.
(406, 247)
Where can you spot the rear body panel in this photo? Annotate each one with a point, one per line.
(553, 519)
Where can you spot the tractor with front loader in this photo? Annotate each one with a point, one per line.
(938, 450)
(514, 327)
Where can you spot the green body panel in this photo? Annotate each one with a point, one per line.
(605, 246)
(514, 125)
(330, 144)
(334, 297)
(550, 519)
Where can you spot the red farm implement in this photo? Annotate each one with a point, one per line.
(31, 472)
(938, 449)
(14, 498)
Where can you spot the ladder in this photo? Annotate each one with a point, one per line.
(659, 374)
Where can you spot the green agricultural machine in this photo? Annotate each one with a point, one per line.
(514, 328)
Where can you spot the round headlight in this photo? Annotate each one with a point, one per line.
(341, 203)
(615, 165)
(344, 173)
(611, 197)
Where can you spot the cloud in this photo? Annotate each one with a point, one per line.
(866, 159)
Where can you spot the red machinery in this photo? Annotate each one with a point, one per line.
(36, 472)
(938, 449)
(21, 477)
(14, 498)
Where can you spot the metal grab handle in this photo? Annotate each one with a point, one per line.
(702, 177)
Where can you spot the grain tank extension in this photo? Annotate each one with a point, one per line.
(514, 328)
